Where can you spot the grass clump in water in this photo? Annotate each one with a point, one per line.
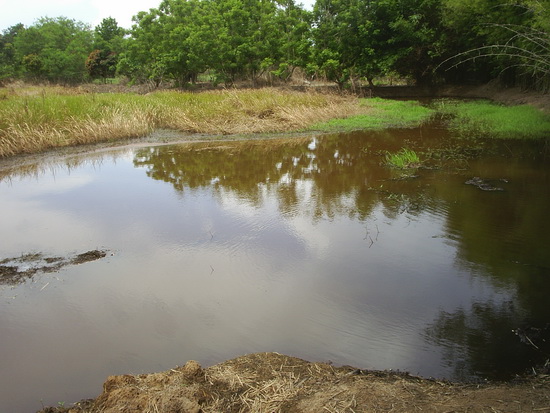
(483, 118)
(404, 159)
(381, 114)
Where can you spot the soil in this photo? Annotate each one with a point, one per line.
(271, 382)
(19, 269)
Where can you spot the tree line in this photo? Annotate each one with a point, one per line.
(342, 41)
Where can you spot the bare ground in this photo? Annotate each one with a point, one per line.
(271, 382)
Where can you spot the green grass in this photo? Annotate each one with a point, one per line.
(404, 159)
(381, 114)
(486, 119)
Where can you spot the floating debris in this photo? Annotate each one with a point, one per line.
(484, 184)
(19, 269)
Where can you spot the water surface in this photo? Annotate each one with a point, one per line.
(309, 246)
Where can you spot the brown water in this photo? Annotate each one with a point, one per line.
(309, 246)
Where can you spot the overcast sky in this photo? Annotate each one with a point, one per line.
(87, 11)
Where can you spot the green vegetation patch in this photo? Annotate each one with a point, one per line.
(381, 114)
(404, 159)
(487, 119)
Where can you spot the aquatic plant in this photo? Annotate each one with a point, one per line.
(404, 159)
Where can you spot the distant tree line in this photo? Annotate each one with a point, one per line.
(342, 41)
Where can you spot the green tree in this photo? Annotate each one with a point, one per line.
(233, 39)
(172, 42)
(500, 38)
(9, 66)
(417, 39)
(139, 60)
(108, 35)
(295, 44)
(367, 38)
(54, 49)
(345, 37)
(108, 44)
(249, 38)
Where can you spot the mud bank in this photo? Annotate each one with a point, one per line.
(271, 382)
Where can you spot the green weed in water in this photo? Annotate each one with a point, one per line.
(404, 159)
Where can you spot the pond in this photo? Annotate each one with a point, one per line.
(309, 246)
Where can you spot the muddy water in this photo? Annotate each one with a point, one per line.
(309, 246)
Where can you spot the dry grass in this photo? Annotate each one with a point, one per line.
(274, 383)
(37, 119)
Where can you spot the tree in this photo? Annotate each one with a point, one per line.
(138, 60)
(233, 39)
(367, 38)
(54, 49)
(294, 28)
(108, 44)
(107, 34)
(173, 42)
(333, 55)
(9, 66)
(417, 39)
(101, 64)
(506, 39)
(249, 38)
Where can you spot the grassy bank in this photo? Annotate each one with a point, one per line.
(34, 119)
(381, 114)
(487, 119)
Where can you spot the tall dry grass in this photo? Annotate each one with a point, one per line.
(37, 119)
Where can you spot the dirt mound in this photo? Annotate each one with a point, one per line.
(271, 382)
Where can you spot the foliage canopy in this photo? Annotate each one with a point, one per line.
(342, 41)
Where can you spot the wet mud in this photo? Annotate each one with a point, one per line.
(20, 269)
